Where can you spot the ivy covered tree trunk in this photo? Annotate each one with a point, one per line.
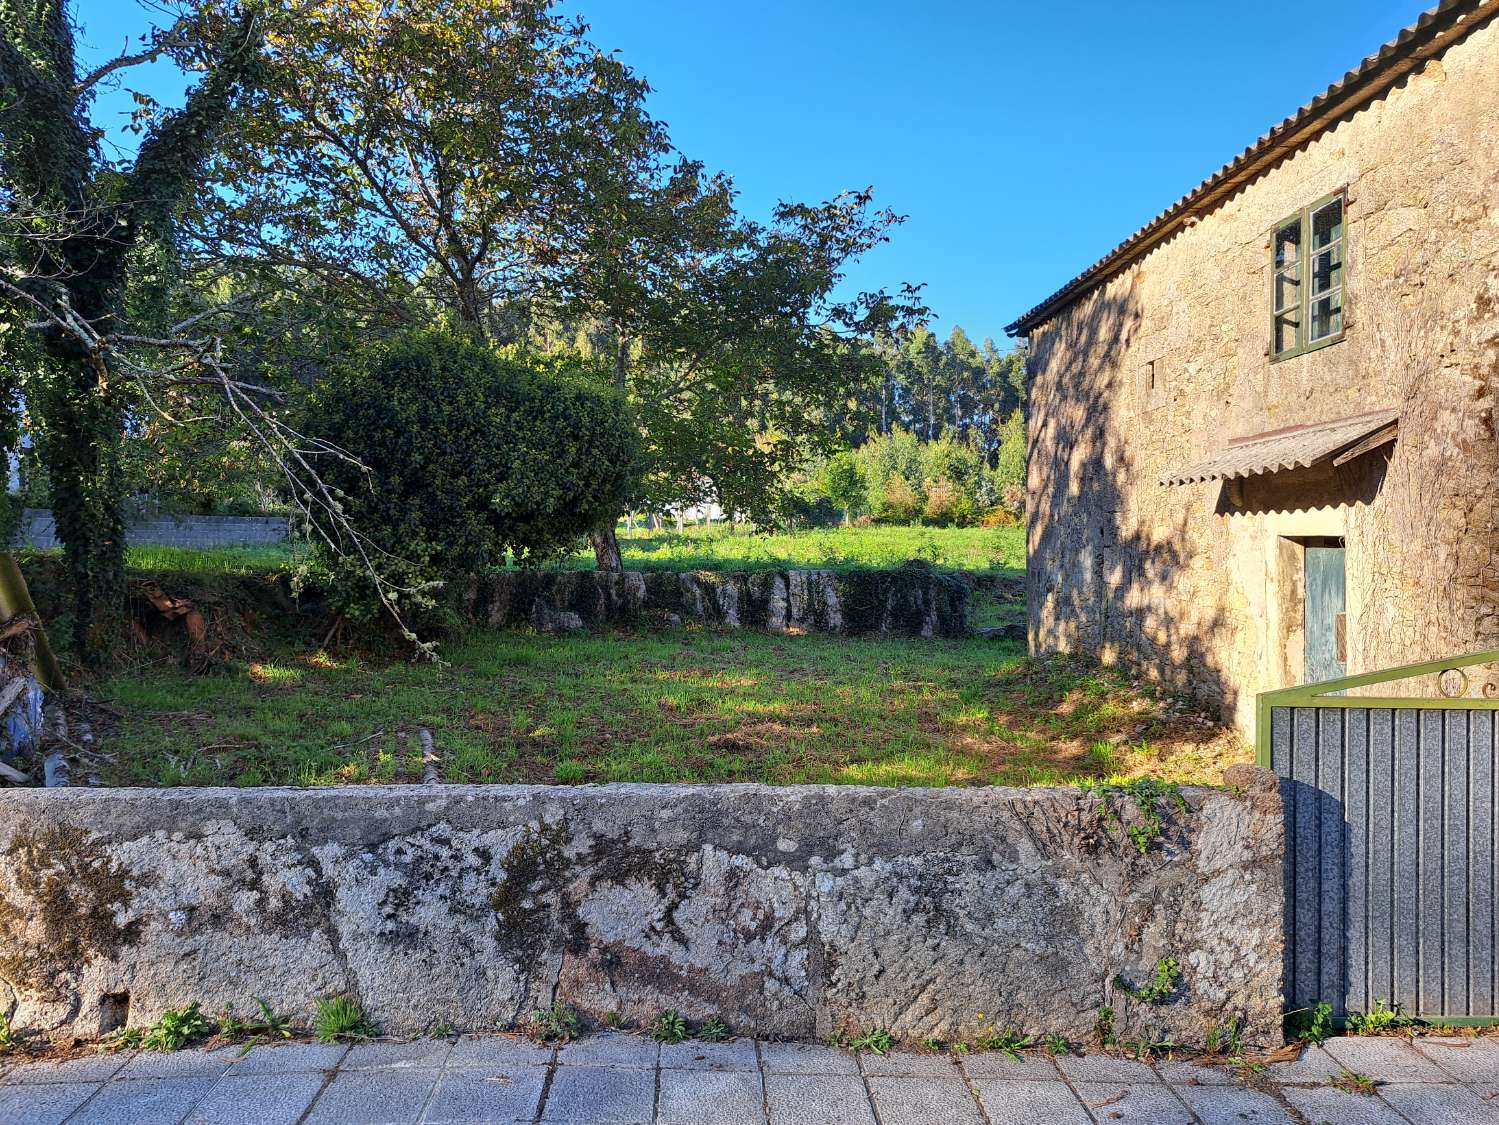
(79, 442)
(76, 219)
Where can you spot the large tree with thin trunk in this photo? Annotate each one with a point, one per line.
(79, 229)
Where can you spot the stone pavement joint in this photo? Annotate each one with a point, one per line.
(618, 1079)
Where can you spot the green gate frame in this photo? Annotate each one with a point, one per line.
(1319, 695)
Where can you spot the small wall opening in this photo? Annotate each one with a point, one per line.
(114, 1011)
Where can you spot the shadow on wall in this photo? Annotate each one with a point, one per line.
(1118, 569)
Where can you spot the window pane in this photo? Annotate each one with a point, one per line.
(1285, 333)
(1327, 268)
(1327, 315)
(1327, 224)
(1288, 245)
(1287, 291)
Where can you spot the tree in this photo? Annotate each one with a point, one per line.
(79, 229)
(1009, 469)
(844, 483)
(467, 458)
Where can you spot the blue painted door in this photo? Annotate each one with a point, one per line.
(1326, 613)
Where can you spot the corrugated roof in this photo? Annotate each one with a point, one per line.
(1295, 447)
(1430, 35)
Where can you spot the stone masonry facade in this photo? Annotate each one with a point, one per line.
(1168, 358)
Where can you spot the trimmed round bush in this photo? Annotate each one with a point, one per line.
(473, 457)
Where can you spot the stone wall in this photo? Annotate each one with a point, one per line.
(914, 600)
(1201, 585)
(785, 911)
(38, 529)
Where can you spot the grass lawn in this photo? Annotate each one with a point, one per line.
(986, 551)
(683, 705)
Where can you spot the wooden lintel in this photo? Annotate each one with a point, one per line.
(1379, 437)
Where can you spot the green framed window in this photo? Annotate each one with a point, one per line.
(1308, 270)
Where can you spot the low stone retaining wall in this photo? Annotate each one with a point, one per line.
(912, 600)
(785, 911)
(39, 530)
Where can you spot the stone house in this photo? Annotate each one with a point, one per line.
(1262, 429)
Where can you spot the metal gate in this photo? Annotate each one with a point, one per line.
(1391, 867)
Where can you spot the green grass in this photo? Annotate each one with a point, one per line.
(989, 551)
(682, 705)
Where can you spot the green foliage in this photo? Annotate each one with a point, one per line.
(471, 458)
(844, 483)
(555, 1024)
(1151, 797)
(339, 1017)
(1227, 1038)
(669, 1026)
(1103, 1027)
(1351, 1082)
(268, 1025)
(1313, 1024)
(877, 1041)
(1007, 1042)
(1162, 984)
(1057, 1045)
(714, 1031)
(1380, 1018)
(10, 1038)
(176, 1028)
(1009, 467)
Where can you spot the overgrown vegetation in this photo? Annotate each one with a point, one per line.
(1351, 1082)
(680, 705)
(557, 1023)
(1159, 988)
(669, 1026)
(339, 1017)
(1151, 799)
(1311, 1025)
(176, 1028)
(874, 1040)
(1383, 1017)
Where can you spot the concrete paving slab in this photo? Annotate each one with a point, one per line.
(289, 1058)
(736, 1055)
(997, 1064)
(828, 1099)
(1028, 1102)
(43, 1103)
(1467, 1060)
(1229, 1105)
(1324, 1103)
(497, 1052)
(258, 1099)
(419, 1054)
(907, 1100)
(88, 1068)
(143, 1101)
(600, 1095)
(1314, 1066)
(180, 1064)
(697, 1097)
(476, 1097)
(807, 1058)
(1440, 1105)
(1384, 1060)
(387, 1096)
(909, 1064)
(610, 1048)
(1182, 1072)
(1141, 1103)
(1106, 1068)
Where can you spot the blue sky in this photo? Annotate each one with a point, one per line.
(1023, 140)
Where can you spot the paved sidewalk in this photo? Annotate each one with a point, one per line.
(616, 1079)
